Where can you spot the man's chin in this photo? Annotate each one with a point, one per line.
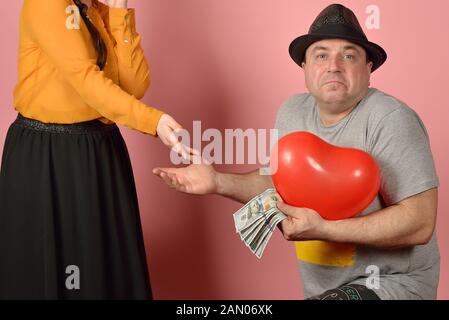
(333, 97)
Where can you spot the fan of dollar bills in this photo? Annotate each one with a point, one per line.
(256, 220)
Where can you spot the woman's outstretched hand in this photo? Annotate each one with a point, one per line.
(166, 128)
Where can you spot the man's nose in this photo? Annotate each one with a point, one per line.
(334, 64)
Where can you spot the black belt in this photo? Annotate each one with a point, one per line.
(76, 128)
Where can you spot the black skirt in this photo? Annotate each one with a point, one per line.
(69, 217)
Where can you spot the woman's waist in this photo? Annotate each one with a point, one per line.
(62, 113)
(80, 127)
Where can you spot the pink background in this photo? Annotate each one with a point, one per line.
(226, 63)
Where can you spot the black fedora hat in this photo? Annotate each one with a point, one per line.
(337, 21)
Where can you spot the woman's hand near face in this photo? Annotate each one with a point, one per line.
(116, 3)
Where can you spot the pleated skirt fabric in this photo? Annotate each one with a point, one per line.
(69, 218)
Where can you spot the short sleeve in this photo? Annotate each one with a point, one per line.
(401, 146)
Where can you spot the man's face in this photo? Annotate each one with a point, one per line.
(337, 71)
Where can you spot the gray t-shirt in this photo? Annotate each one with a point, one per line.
(396, 137)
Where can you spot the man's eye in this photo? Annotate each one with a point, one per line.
(349, 57)
(321, 56)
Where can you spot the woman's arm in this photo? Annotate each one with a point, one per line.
(45, 24)
(134, 74)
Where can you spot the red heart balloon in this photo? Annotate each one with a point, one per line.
(336, 182)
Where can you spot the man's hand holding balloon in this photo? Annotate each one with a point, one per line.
(301, 223)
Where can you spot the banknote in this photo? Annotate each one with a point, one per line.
(256, 220)
(255, 209)
(266, 232)
(251, 232)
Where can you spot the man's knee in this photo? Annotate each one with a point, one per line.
(347, 292)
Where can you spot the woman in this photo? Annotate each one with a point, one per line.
(69, 217)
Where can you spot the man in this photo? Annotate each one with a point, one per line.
(389, 251)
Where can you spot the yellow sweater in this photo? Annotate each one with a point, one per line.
(58, 79)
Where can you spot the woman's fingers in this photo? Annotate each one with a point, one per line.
(186, 152)
(194, 152)
(166, 130)
(173, 128)
(175, 125)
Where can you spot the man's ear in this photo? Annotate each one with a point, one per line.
(370, 66)
(303, 64)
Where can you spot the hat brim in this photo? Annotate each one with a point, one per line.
(298, 47)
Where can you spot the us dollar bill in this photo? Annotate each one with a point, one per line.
(255, 209)
(260, 242)
(256, 220)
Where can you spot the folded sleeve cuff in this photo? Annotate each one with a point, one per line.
(121, 18)
(149, 121)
